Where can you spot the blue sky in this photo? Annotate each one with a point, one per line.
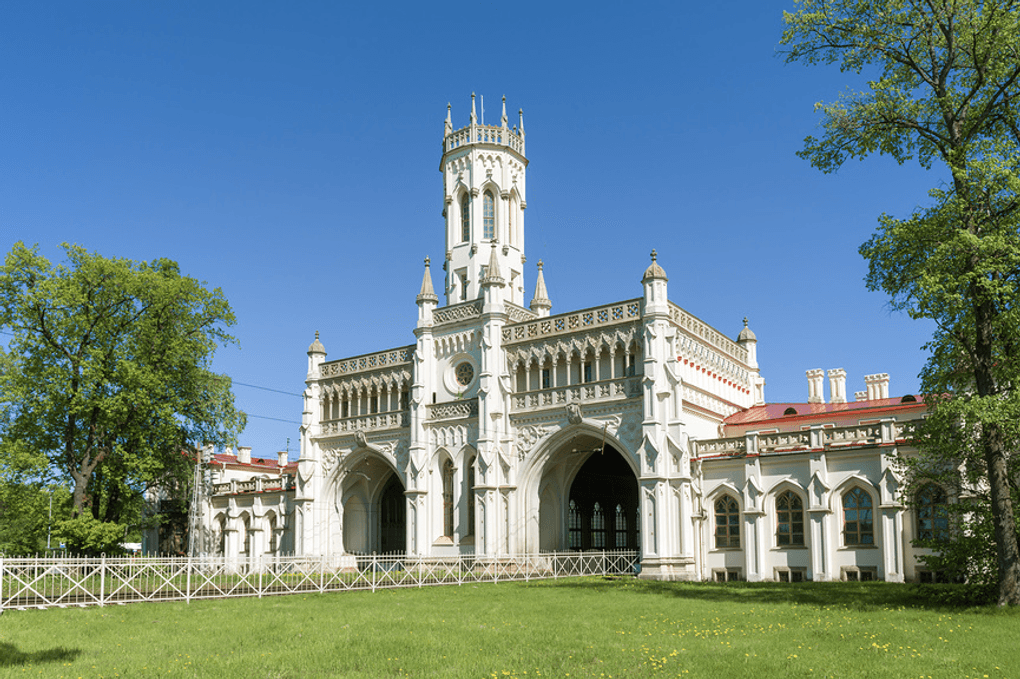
(288, 153)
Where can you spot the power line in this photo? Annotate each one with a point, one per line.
(255, 386)
(264, 417)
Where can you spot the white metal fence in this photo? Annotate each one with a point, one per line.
(60, 581)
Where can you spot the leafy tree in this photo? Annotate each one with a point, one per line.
(944, 91)
(108, 373)
(25, 515)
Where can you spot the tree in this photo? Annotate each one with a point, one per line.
(108, 373)
(944, 91)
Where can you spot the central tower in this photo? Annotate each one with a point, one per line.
(483, 170)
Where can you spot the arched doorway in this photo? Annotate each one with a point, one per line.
(602, 512)
(392, 517)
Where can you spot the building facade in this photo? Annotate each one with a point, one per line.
(506, 429)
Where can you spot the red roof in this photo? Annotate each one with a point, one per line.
(262, 463)
(806, 411)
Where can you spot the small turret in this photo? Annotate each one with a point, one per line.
(654, 282)
(316, 355)
(541, 303)
(749, 342)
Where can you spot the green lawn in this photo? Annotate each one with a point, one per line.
(578, 628)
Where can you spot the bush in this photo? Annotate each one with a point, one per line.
(89, 536)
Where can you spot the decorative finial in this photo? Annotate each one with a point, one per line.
(540, 265)
(503, 120)
(316, 334)
(654, 255)
(474, 117)
(745, 321)
(427, 263)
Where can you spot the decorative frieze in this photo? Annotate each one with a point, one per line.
(454, 410)
(367, 362)
(457, 312)
(518, 314)
(621, 312)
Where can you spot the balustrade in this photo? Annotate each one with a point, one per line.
(602, 390)
(786, 442)
(373, 422)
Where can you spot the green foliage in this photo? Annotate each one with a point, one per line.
(25, 516)
(945, 90)
(86, 536)
(107, 376)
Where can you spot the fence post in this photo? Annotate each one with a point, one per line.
(187, 581)
(102, 579)
(259, 565)
(3, 576)
(322, 573)
(372, 572)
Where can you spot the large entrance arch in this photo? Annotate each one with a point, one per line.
(602, 512)
(583, 495)
(392, 517)
(374, 514)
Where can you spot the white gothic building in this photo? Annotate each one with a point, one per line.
(506, 429)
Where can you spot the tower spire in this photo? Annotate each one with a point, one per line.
(541, 304)
(503, 120)
(474, 118)
(448, 128)
(492, 275)
(428, 293)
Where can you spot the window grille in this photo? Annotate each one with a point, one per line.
(789, 519)
(727, 522)
(858, 522)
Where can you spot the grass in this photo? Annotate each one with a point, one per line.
(578, 628)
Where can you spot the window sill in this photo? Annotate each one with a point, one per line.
(788, 548)
(853, 547)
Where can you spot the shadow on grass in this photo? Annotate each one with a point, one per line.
(10, 655)
(849, 595)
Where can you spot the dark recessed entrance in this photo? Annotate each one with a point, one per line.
(392, 518)
(603, 510)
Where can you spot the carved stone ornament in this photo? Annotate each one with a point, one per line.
(527, 436)
(360, 440)
(574, 413)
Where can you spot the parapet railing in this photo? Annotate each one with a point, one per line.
(814, 438)
(603, 390)
(61, 582)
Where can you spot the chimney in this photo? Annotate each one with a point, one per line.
(878, 386)
(283, 458)
(815, 386)
(244, 454)
(837, 385)
(860, 396)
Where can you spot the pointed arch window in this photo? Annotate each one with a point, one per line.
(574, 525)
(598, 527)
(510, 222)
(789, 519)
(932, 514)
(621, 527)
(448, 473)
(488, 216)
(727, 522)
(470, 483)
(465, 218)
(858, 522)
